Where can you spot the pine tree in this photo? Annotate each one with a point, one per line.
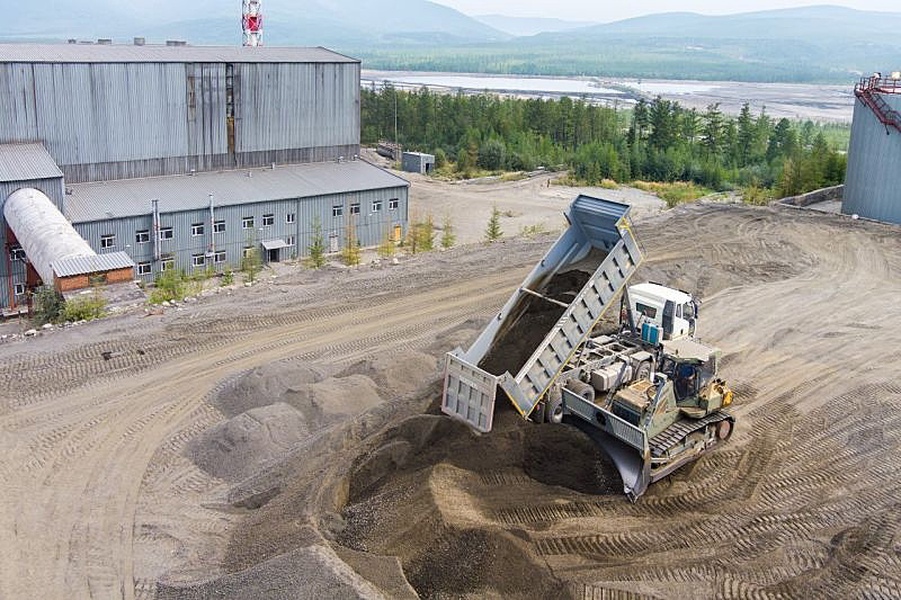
(448, 238)
(351, 253)
(745, 136)
(316, 248)
(714, 132)
(425, 232)
(493, 231)
(387, 245)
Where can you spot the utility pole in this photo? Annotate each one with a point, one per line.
(396, 146)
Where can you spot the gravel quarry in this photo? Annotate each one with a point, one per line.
(285, 440)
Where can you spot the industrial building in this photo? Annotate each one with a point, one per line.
(873, 176)
(176, 156)
(418, 162)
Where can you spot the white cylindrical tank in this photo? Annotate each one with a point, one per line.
(42, 230)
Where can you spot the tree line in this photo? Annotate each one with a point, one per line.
(658, 140)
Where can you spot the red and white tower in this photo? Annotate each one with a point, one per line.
(252, 23)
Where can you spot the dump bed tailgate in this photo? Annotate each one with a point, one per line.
(547, 318)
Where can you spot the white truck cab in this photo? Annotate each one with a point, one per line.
(660, 313)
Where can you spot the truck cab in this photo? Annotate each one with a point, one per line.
(661, 313)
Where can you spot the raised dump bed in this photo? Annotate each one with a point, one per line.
(547, 318)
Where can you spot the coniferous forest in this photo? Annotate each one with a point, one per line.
(657, 141)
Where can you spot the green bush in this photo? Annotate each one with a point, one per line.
(47, 305)
(756, 195)
(440, 158)
(84, 308)
(171, 284)
(492, 155)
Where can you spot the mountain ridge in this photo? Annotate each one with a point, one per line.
(813, 43)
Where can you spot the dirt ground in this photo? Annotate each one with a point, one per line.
(283, 440)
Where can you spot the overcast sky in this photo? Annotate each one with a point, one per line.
(604, 12)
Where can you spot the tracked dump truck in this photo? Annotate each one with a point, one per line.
(649, 394)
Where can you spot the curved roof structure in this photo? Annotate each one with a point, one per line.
(49, 240)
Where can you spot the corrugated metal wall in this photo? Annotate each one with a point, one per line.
(316, 103)
(205, 116)
(873, 176)
(370, 226)
(122, 120)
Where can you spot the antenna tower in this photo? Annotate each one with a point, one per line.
(252, 22)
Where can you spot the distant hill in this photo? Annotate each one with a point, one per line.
(809, 44)
(523, 26)
(313, 22)
(809, 23)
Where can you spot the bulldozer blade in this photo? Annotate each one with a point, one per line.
(634, 470)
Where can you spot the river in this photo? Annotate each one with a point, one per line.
(823, 103)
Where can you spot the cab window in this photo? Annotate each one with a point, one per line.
(648, 311)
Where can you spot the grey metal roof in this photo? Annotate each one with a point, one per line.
(111, 53)
(24, 162)
(94, 263)
(131, 197)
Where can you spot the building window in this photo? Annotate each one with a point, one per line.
(392, 204)
(197, 260)
(337, 211)
(247, 252)
(19, 289)
(268, 220)
(219, 257)
(196, 229)
(144, 268)
(289, 218)
(107, 241)
(16, 253)
(247, 223)
(219, 226)
(166, 233)
(142, 236)
(355, 208)
(291, 240)
(376, 206)
(167, 263)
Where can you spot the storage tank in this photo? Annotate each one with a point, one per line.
(873, 177)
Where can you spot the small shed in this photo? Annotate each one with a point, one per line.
(56, 253)
(417, 162)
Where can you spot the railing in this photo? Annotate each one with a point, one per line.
(870, 90)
